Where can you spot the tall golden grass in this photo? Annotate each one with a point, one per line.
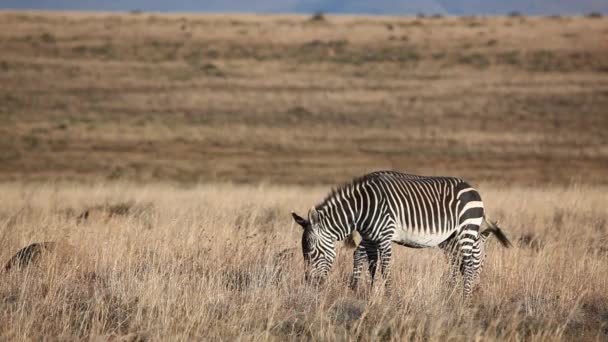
(219, 261)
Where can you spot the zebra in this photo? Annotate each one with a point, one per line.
(410, 210)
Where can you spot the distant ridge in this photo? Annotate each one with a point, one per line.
(385, 7)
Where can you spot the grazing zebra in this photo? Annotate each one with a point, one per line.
(413, 211)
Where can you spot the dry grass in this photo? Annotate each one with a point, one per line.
(285, 99)
(215, 262)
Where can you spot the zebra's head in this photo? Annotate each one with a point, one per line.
(318, 247)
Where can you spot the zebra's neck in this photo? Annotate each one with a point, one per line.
(340, 212)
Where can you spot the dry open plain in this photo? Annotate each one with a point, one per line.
(292, 100)
(190, 138)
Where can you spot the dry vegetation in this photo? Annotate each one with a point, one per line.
(216, 262)
(95, 109)
(290, 99)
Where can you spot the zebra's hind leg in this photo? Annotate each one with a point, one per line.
(478, 259)
(359, 257)
(469, 246)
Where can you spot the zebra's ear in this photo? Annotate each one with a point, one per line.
(313, 215)
(300, 220)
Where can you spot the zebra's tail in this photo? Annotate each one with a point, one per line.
(352, 240)
(494, 229)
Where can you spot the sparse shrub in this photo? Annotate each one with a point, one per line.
(293, 326)
(258, 276)
(31, 141)
(594, 15)
(62, 126)
(515, 14)
(474, 59)
(438, 55)
(119, 209)
(346, 312)
(299, 114)
(79, 49)
(509, 57)
(48, 38)
(83, 217)
(211, 69)
(318, 17)
(543, 60)
(530, 241)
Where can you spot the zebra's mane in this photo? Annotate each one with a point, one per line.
(336, 191)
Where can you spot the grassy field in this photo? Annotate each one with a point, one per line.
(288, 99)
(212, 262)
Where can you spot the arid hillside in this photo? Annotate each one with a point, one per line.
(293, 99)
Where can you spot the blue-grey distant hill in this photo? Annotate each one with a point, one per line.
(453, 7)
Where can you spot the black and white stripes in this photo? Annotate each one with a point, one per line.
(412, 211)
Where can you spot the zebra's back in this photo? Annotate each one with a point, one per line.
(425, 211)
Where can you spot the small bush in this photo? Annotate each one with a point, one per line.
(48, 38)
(594, 15)
(318, 17)
(474, 59)
(530, 241)
(211, 69)
(119, 209)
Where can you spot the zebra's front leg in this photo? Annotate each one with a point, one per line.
(359, 257)
(386, 253)
(371, 250)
